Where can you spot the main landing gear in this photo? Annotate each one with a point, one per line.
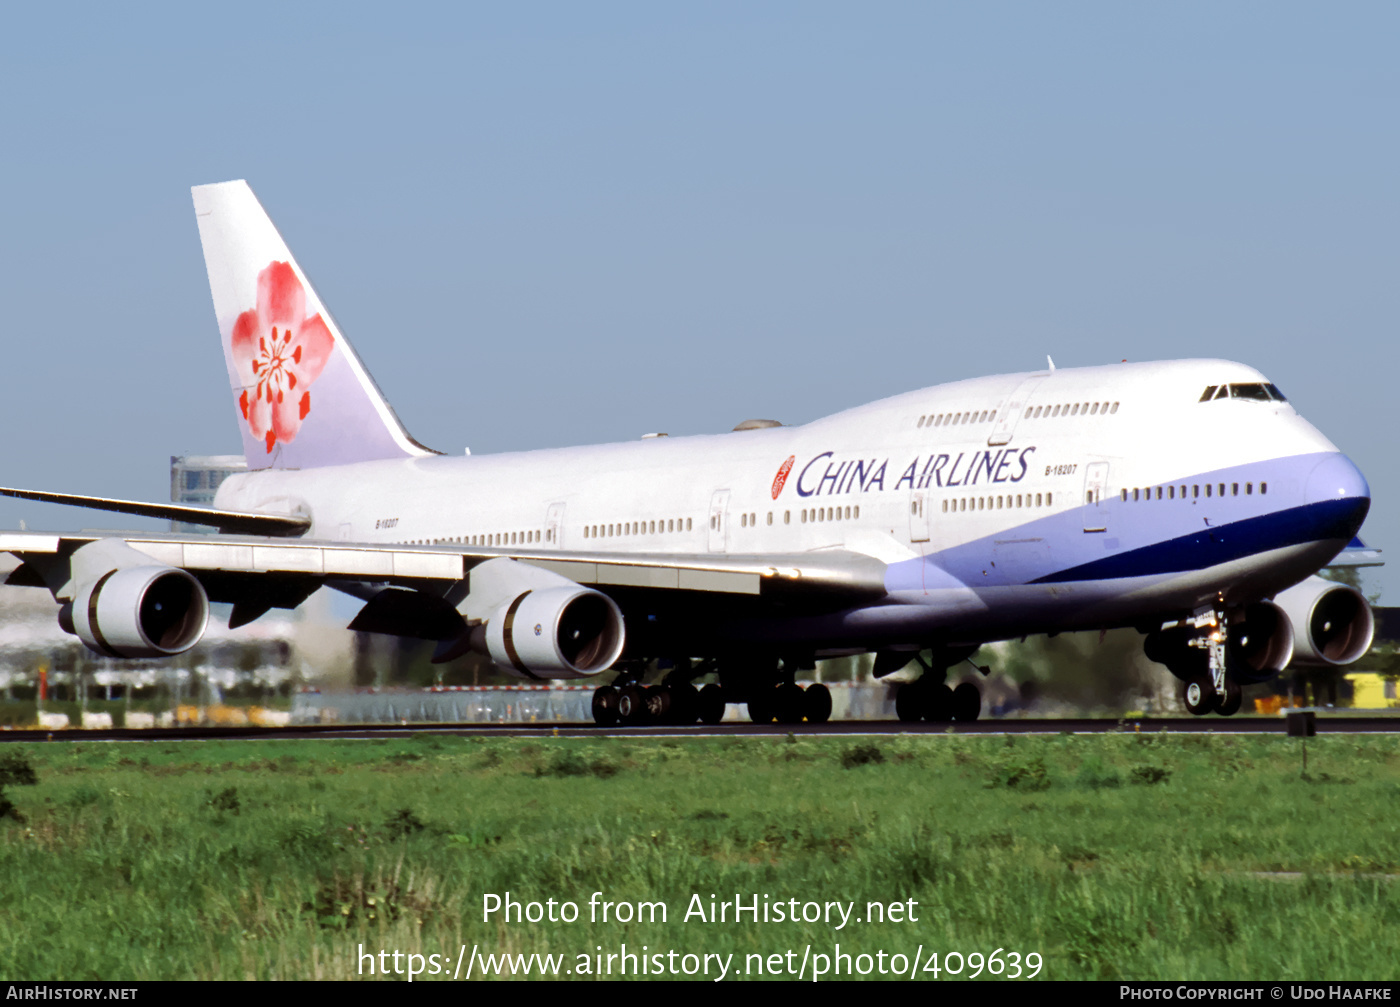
(638, 705)
(925, 699)
(771, 694)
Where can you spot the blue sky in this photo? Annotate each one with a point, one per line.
(550, 224)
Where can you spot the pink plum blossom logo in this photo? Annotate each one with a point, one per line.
(279, 353)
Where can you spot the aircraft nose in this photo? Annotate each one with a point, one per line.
(1336, 478)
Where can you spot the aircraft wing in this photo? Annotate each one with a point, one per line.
(238, 522)
(256, 573)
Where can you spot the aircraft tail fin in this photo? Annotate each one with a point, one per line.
(302, 396)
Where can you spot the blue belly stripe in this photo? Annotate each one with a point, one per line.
(1328, 519)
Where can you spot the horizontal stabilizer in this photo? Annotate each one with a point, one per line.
(1357, 553)
(234, 522)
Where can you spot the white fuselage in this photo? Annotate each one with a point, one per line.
(1001, 505)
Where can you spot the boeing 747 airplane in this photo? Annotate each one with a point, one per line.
(1187, 499)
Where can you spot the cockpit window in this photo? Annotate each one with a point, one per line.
(1258, 391)
(1253, 391)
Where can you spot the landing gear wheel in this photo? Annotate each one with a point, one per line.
(762, 704)
(710, 703)
(938, 704)
(685, 703)
(1199, 696)
(605, 706)
(1229, 704)
(632, 705)
(789, 705)
(658, 704)
(816, 700)
(909, 702)
(967, 702)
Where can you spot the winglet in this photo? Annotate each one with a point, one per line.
(303, 398)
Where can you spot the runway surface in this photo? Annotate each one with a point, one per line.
(1325, 724)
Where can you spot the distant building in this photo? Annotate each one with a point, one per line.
(194, 479)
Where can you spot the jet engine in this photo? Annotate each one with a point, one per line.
(557, 632)
(1333, 622)
(142, 611)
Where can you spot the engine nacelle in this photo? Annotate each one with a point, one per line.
(556, 632)
(1262, 643)
(1333, 623)
(140, 611)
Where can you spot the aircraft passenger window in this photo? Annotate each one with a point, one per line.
(1114, 409)
(743, 520)
(1207, 489)
(1037, 499)
(1208, 394)
(992, 415)
(652, 526)
(1049, 499)
(787, 517)
(1248, 489)
(1093, 408)
(857, 512)
(1263, 487)
(804, 515)
(945, 506)
(1054, 412)
(1037, 412)
(1171, 492)
(1234, 489)
(1195, 491)
(984, 417)
(1183, 492)
(687, 524)
(921, 422)
(1135, 494)
(770, 517)
(1125, 495)
(1159, 492)
(848, 513)
(1222, 489)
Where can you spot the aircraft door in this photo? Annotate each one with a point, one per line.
(919, 517)
(1095, 484)
(1011, 411)
(554, 526)
(719, 521)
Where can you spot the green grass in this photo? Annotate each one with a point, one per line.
(1121, 856)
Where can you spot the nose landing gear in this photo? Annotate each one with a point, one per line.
(1216, 691)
